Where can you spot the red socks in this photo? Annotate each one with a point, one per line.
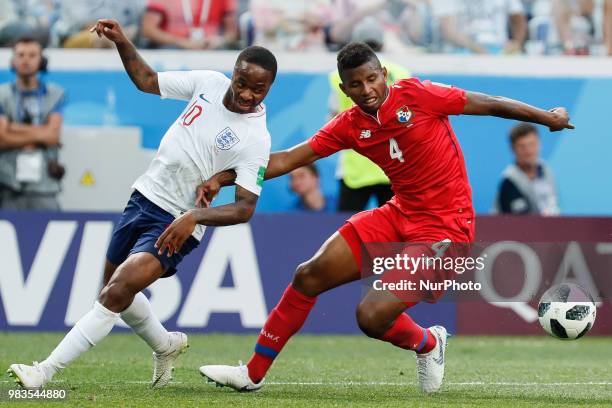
(406, 334)
(285, 320)
(290, 314)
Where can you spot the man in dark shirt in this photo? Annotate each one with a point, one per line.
(527, 186)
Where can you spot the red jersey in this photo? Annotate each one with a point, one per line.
(411, 139)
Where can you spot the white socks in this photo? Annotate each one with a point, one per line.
(98, 323)
(86, 333)
(141, 319)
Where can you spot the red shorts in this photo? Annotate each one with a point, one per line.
(388, 224)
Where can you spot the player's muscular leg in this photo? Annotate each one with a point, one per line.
(377, 312)
(135, 274)
(109, 270)
(333, 265)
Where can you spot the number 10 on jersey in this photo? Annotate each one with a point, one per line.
(395, 151)
(192, 113)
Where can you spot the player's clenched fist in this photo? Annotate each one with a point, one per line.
(560, 120)
(176, 234)
(110, 29)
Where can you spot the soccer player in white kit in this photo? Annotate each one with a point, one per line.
(223, 127)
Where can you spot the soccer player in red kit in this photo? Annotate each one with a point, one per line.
(404, 129)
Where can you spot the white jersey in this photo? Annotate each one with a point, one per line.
(206, 139)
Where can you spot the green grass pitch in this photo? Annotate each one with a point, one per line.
(332, 371)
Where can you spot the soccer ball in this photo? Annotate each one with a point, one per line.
(566, 311)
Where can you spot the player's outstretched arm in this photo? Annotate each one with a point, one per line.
(143, 76)
(280, 163)
(181, 229)
(288, 160)
(480, 104)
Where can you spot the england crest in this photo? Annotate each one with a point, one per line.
(404, 115)
(226, 139)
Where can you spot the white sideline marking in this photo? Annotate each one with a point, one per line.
(374, 383)
(362, 383)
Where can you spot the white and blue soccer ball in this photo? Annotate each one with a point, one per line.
(567, 311)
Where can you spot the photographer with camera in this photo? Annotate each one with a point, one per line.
(30, 126)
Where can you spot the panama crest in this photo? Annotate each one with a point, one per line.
(404, 115)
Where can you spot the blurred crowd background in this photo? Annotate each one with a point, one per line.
(50, 120)
(535, 27)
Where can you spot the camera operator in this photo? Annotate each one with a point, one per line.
(30, 126)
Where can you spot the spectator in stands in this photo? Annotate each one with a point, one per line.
(76, 17)
(290, 25)
(191, 24)
(481, 26)
(572, 27)
(574, 22)
(25, 17)
(304, 182)
(416, 22)
(528, 7)
(360, 178)
(30, 125)
(9, 22)
(348, 14)
(527, 186)
(607, 29)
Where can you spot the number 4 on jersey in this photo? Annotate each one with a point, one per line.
(395, 151)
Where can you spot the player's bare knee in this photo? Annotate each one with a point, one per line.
(305, 279)
(370, 321)
(116, 296)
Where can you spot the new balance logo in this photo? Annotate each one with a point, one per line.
(269, 336)
(365, 134)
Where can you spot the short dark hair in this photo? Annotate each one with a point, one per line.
(27, 39)
(259, 56)
(521, 130)
(355, 54)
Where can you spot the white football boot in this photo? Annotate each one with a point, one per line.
(163, 364)
(236, 377)
(28, 377)
(430, 366)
